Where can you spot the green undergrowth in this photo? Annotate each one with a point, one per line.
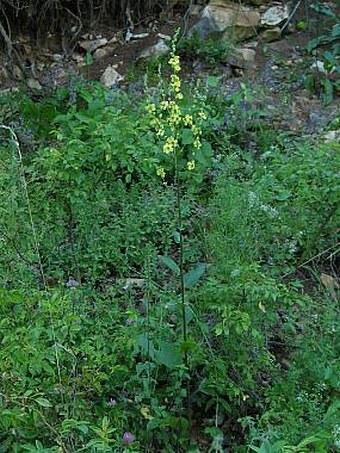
(94, 265)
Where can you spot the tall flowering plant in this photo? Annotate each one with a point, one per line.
(177, 127)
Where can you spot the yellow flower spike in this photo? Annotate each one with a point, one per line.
(202, 115)
(191, 165)
(175, 83)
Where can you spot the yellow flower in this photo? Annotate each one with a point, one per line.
(174, 119)
(191, 165)
(151, 108)
(187, 120)
(164, 105)
(197, 143)
(174, 63)
(196, 130)
(160, 172)
(174, 108)
(170, 144)
(145, 411)
(160, 132)
(202, 115)
(175, 83)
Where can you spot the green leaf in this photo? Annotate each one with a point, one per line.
(170, 264)
(168, 355)
(283, 196)
(324, 9)
(187, 137)
(89, 58)
(333, 412)
(43, 402)
(213, 81)
(193, 276)
(177, 237)
(204, 154)
(327, 91)
(313, 44)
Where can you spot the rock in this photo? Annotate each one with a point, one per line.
(275, 15)
(136, 36)
(34, 84)
(92, 45)
(7, 91)
(57, 57)
(103, 52)
(165, 37)
(114, 40)
(17, 72)
(161, 48)
(110, 77)
(195, 10)
(79, 59)
(332, 136)
(4, 74)
(131, 282)
(251, 45)
(229, 21)
(242, 58)
(319, 66)
(331, 284)
(271, 34)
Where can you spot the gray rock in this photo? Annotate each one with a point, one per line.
(275, 15)
(271, 34)
(34, 84)
(103, 52)
(110, 77)
(243, 58)
(17, 72)
(161, 48)
(57, 57)
(92, 45)
(79, 59)
(229, 21)
(332, 136)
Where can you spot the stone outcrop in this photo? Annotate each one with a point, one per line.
(228, 22)
(232, 21)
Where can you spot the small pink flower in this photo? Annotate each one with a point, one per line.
(128, 438)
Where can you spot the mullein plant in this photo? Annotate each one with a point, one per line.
(177, 125)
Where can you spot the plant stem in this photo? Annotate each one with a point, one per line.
(182, 286)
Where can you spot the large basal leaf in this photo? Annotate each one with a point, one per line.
(193, 276)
